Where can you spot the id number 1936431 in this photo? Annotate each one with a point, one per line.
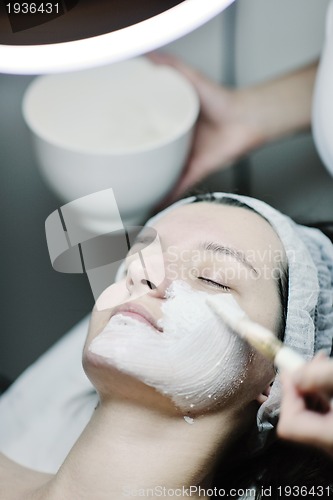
(33, 8)
(304, 491)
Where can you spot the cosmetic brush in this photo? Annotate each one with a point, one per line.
(259, 337)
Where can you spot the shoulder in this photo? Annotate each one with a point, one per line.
(18, 482)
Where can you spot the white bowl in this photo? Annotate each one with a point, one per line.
(127, 126)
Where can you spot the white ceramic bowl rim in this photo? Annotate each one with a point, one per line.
(31, 95)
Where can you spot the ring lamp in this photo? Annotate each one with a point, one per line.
(67, 35)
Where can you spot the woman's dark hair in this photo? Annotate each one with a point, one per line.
(283, 468)
(280, 469)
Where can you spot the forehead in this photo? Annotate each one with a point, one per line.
(238, 227)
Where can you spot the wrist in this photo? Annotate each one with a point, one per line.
(279, 107)
(243, 113)
(261, 116)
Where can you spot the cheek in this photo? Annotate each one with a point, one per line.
(113, 296)
(196, 362)
(263, 306)
(261, 372)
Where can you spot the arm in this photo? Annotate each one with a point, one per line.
(282, 106)
(298, 422)
(234, 122)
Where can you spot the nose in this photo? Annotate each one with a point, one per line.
(146, 274)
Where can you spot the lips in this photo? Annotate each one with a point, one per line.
(139, 313)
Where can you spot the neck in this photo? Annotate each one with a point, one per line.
(126, 449)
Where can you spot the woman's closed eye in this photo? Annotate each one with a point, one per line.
(214, 283)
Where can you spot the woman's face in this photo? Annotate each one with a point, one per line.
(209, 249)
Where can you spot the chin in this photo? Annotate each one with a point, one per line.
(114, 384)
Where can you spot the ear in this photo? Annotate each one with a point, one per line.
(262, 397)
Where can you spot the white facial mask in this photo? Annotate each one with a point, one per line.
(196, 361)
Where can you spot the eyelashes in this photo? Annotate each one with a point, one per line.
(203, 279)
(225, 288)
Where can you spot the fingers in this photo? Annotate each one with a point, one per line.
(184, 184)
(298, 423)
(292, 404)
(190, 177)
(207, 89)
(224, 131)
(316, 375)
(169, 60)
(309, 428)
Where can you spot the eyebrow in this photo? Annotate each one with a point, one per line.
(229, 251)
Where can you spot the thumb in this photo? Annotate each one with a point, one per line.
(201, 83)
(189, 179)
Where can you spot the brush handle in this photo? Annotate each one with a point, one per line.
(288, 360)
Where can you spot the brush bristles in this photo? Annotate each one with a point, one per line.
(256, 335)
(260, 338)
